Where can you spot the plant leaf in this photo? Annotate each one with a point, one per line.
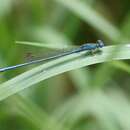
(58, 66)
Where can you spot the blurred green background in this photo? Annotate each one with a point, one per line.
(91, 98)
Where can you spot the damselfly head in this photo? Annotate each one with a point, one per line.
(100, 43)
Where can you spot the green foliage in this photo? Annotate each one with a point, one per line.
(93, 94)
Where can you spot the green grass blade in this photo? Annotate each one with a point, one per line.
(48, 45)
(33, 113)
(109, 109)
(37, 44)
(59, 66)
(92, 17)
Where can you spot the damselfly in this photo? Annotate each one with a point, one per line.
(84, 47)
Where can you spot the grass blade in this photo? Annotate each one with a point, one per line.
(59, 66)
(92, 17)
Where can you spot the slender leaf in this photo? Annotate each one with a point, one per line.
(59, 66)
